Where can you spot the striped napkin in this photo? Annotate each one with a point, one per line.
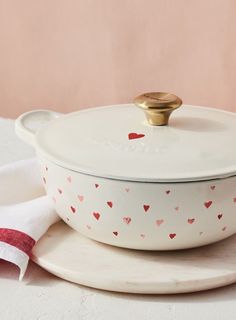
(25, 211)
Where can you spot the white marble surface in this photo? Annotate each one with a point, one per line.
(42, 296)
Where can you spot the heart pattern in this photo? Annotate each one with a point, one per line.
(191, 221)
(110, 204)
(207, 204)
(73, 209)
(96, 215)
(152, 204)
(220, 216)
(81, 198)
(159, 222)
(146, 207)
(127, 220)
(134, 135)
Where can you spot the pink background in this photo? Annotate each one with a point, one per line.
(71, 54)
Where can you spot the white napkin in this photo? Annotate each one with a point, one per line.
(25, 211)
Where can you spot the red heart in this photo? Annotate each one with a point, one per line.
(59, 190)
(146, 207)
(134, 135)
(44, 180)
(127, 220)
(96, 185)
(220, 216)
(167, 191)
(213, 187)
(208, 204)
(110, 204)
(96, 215)
(73, 209)
(172, 235)
(190, 221)
(159, 222)
(115, 233)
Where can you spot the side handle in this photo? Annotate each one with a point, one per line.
(28, 124)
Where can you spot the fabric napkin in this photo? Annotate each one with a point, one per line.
(25, 211)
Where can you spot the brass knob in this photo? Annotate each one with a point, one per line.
(158, 106)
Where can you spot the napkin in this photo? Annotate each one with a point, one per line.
(25, 211)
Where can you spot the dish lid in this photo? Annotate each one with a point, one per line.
(118, 142)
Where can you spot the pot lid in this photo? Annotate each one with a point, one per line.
(118, 142)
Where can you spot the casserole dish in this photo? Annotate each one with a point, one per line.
(139, 182)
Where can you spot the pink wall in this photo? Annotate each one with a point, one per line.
(70, 54)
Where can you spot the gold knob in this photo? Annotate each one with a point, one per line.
(158, 106)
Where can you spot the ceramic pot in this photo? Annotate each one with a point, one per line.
(142, 184)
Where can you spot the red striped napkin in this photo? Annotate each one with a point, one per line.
(25, 211)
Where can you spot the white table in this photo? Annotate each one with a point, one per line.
(42, 296)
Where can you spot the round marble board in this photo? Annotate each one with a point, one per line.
(67, 254)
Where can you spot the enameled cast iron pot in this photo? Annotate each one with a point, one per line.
(123, 180)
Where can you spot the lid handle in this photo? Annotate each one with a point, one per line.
(158, 106)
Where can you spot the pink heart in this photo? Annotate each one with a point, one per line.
(96, 215)
(159, 222)
(142, 235)
(220, 216)
(213, 187)
(207, 204)
(69, 179)
(223, 229)
(127, 189)
(127, 220)
(177, 208)
(110, 204)
(134, 135)
(235, 199)
(146, 207)
(191, 221)
(115, 233)
(73, 209)
(81, 198)
(172, 235)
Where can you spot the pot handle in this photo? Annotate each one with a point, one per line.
(28, 124)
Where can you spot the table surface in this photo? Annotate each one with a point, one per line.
(42, 296)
